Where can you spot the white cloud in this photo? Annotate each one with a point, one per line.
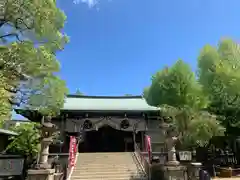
(90, 3)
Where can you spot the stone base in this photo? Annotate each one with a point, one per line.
(172, 163)
(58, 176)
(40, 174)
(175, 172)
(44, 166)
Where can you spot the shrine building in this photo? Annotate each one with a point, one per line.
(106, 123)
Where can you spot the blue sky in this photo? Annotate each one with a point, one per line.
(116, 46)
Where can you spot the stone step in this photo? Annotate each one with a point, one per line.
(112, 166)
(112, 161)
(105, 153)
(106, 166)
(104, 160)
(111, 178)
(105, 163)
(104, 170)
(107, 172)
(86, 176)
(105, 156)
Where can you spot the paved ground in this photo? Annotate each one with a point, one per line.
(232, 178)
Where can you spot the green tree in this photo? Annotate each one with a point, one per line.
(178, 93)
(47, 95)
(218, 71)
(27, 141)
(177, 87)
(28, 44)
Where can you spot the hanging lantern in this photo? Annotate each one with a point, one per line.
(124, 124)
(87, 124)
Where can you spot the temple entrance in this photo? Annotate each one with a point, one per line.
(108, 139)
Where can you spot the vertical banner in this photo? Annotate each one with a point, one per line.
(72, 150)
(148, 147)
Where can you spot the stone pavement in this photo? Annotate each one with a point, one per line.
(232, 178)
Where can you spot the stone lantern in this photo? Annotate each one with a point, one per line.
(170, 141)
(43, 170)
(172, 168)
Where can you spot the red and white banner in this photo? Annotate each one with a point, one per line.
(148, 147)
(72, 150)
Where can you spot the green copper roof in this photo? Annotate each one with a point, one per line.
(107, 103)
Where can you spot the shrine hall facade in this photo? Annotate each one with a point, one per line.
(107, 123)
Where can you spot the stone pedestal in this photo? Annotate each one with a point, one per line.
(193, 170)
(172, 159)
(174, 172)
(43, 160)
(58, 176)
(41, 174)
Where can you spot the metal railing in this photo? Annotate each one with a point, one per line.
(143, 160)
(59, 162)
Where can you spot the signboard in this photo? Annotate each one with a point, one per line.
(11, 167)
(72, 150)
(148, 147)
(185, 155)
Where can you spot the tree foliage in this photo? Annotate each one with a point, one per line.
(30, 36)
(47, 95)
(27, 142)
(177, 87)
(40, 21)
(178, 93)
(200, 130)
(218, 71)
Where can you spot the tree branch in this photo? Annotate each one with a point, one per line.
(10, 35)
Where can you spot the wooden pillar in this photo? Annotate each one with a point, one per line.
(134, 140)
(143, 142)
(62, 127)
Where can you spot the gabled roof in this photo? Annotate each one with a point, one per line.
(107, 103)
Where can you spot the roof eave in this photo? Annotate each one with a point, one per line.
(112, 110)
(7, 132)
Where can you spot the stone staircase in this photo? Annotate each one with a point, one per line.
(107, 166)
